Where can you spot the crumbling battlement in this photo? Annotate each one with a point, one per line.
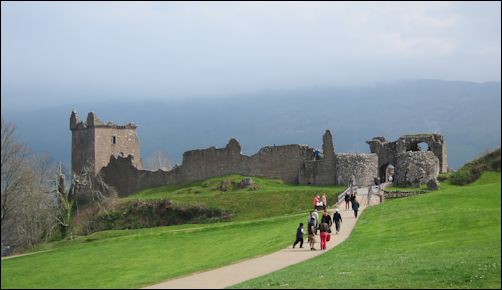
(281, 162)
(93, 142)
(114, 151)
(392, 153)
(388, 151)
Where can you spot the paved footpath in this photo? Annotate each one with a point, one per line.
(248, 269)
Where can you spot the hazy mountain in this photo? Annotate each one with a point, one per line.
(467, 113)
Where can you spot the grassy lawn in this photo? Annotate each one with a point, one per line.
(444, 239)
(271, 198)
(407, 189)
(136, 258)
(265, 221)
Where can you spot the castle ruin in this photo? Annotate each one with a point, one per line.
(114, 152)
(93, 142)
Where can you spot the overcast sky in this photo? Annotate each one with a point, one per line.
(64, 52)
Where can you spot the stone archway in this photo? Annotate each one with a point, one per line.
(389, 171)
(382, 172)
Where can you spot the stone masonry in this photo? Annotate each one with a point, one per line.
(114, 152)
(409, 163)
(93, 142)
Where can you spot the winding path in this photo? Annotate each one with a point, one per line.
(241, 271)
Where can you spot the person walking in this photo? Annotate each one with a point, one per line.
(324, 201)
(311, 234)
(352, 198)
(337, 219)
(326, 218)
(316, 201)
(347, 200)
(299, 236)
(355, 207)
(315, 215)
(324, 228)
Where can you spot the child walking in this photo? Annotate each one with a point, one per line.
(299, 236)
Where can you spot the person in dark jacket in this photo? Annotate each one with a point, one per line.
(355, 207)
(352, 198)
(347, 200)
(337, 219)
(312, 231)
(299, 236)
(326, 219)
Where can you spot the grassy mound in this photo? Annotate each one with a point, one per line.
(445, 239)
(472, 170)
(265, 198)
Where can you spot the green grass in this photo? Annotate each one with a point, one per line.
(407, 189)
(265, 221)
(444, 239)
(136, 258)
(272, 198)
(472, 170)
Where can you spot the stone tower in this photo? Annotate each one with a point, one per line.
(93, 143)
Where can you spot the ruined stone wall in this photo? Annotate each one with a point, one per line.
(436, 144)
(126, 143)
(126, 178)
(205, 163)
(282, 162)
(389, 152)
(320, 172)
(362, 166)
(82, 149)
(386, 151)
(93, 142)
(115, 152)
(416, 167)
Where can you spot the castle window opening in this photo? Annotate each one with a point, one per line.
(423, 146)
(114, 139)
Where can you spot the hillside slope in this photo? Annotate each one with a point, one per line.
(445, 239)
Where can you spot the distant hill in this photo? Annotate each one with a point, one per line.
(467, 113)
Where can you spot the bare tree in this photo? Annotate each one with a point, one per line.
(158, 160)
(25, 192)
(91, 196)
(14, 179)
(87, 188)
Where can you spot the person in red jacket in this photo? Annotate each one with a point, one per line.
(316, 201)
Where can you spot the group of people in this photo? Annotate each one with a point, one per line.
(320, 202)
(323, 226)
(350, 197)
(314, 226)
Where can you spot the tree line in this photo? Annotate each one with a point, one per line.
(37, 203)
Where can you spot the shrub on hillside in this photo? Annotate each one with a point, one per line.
(154, 213)
(472, 170)
(225, 185)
